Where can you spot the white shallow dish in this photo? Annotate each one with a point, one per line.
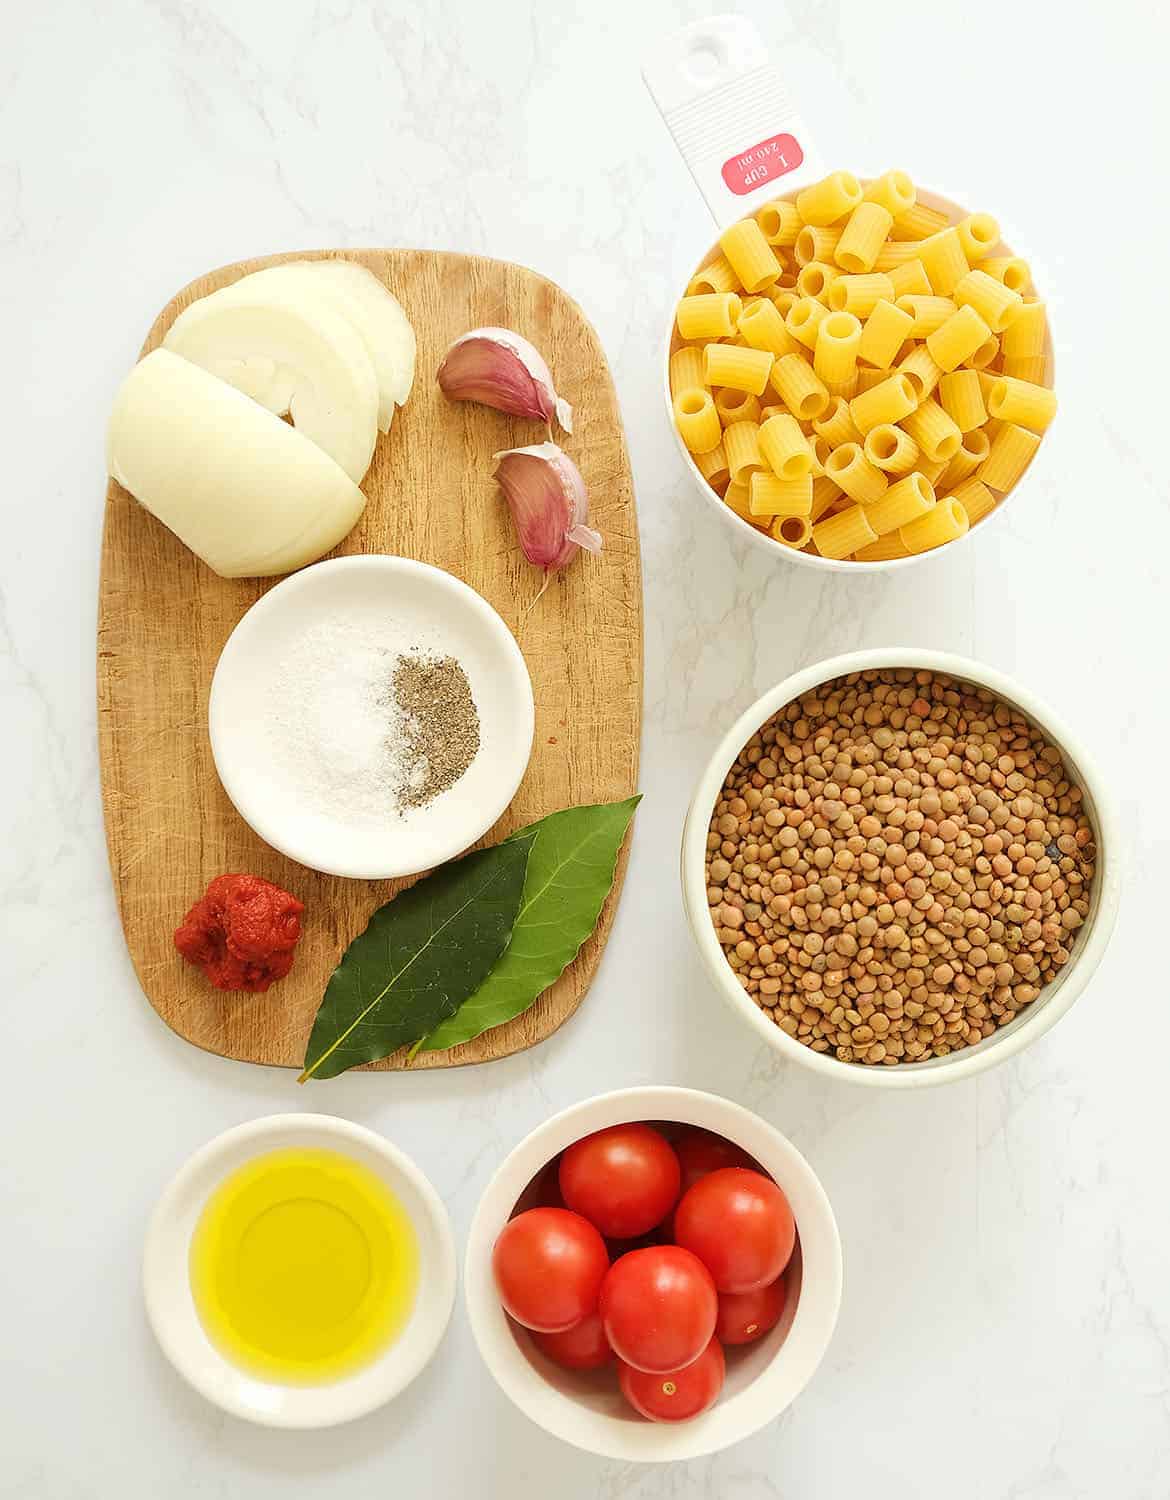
(1053, 1001)
(171, 1308)
(587, 1410)
(370, 592)
(954, 212)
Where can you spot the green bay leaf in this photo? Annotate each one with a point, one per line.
(570, 872)
(423, 953)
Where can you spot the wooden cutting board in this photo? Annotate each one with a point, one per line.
(164, 617)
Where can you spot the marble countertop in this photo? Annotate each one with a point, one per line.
(1005, 1331)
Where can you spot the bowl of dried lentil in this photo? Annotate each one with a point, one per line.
(899, 868)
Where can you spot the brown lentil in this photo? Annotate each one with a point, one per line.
(912, 861)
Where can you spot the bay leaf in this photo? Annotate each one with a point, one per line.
(570, 872)
(423, 953)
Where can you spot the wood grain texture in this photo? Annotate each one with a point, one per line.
(164, 617)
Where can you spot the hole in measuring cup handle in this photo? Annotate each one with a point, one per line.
(765, 162)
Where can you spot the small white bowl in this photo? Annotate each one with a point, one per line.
(421, 603)
(807, 559)
(588, 1410)
(1054, 999)
(170, 1306)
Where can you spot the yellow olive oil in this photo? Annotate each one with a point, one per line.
(304, 1266)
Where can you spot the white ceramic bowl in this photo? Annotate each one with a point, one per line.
(759, 539)
(1054, 1000)
(171, 1308)
(372, 593)
(588, 1410)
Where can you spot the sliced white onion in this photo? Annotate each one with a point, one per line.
(292, 355)
(245, 491)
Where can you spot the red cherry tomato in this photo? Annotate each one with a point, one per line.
(676, 1395)
(699, 1153)
(624, 1179)
(747, 1316)
(549, 1265)
(740, 1226)
(658, 1307)
(583, 1347)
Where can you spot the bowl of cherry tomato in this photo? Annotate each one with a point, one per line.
(653, 1274)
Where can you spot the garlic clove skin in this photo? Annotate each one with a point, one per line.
(549, 504)
(500, 369)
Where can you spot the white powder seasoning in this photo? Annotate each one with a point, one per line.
(334, 728)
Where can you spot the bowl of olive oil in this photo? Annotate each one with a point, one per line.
(299, 1270)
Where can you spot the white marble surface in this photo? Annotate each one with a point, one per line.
(1006, 1325)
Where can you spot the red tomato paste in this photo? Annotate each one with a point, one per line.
(242, 932)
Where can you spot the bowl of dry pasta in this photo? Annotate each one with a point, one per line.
(859, 373)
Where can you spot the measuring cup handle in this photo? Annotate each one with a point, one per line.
(730, 115)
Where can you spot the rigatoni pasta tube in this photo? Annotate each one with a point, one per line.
(890, 449)
(840, 535)
(867, 378)
(713, 466)
(716, 276)
(837, 425)
(829, 200)
(816, 278)
(1010, 269)
(918, 223)
(975, 498)
(859, 295)
(697, 420)
(1026, 332)
(783, 299)
(895, 191)
(1011, 452)
(863, 236)
(883, 550)
(804, 319)
(813, 243)
(961, 398)
(902, 502)
(890, 401)
(849, 468)
(909, 279)
(944, 522)
(797, 384)
(1031, 367)
(835, 356)
(751, 257)
(736, 406)
(886, 329)
(986, 354)
(978, 235)
(741, 443)
(686, 368)
(737, 498)
(958, 338)
(762, 324)
(921, 371)
(712, 315)
(772, 496)
(825, 494)
(995, 303)
(779, 222)
(944, 261)
(894, 254)
(743, 369)
(929, 312)
(933, 431)
(971, 452)
(784, 448)
(793, 531)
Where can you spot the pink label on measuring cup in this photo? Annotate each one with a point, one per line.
(748, 170)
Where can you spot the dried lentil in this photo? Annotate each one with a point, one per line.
(915, 860)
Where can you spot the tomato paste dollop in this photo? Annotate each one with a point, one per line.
(242, 932)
